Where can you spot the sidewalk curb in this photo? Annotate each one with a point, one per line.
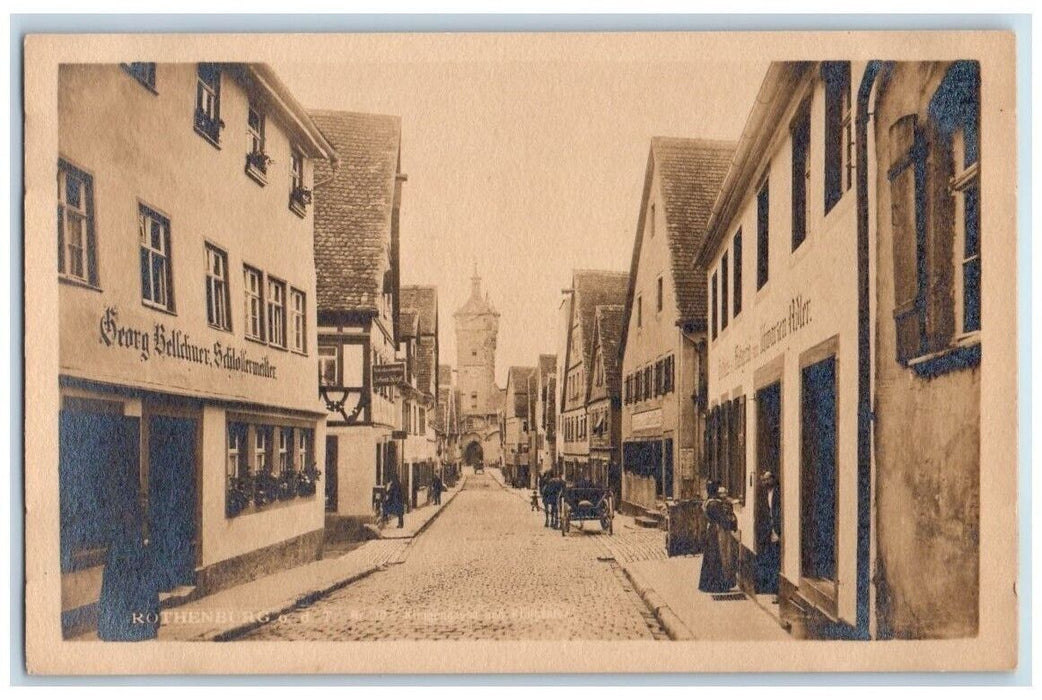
(283, 608)
(309, 597)
(670, 621)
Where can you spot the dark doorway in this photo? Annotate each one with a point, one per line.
(666, 487)
(98, 477)
(768, 505)
(171, 496)
(332, 473)
(473, 454)
(818, 471)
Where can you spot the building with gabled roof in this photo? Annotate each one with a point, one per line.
(418, 347)
(590, 289)
(604, 399)
(357, 268)
(516, 423)
(662, 344)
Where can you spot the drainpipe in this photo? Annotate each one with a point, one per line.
(864, 358)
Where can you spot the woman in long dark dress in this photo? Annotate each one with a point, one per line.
(128, 609)
(718, 572)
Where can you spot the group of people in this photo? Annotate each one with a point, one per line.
(720, 559)
(394, 497)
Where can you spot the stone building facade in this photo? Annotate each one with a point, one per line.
(477, 326)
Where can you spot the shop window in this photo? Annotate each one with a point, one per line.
(276, 312)
(800, 174)
(305, 448)
(298, 321)
(763, 202)
(934, 175)
(144, 73)
(839, 134)
(238, 452)
(156, 272)
(77, 246)
(818, 496)
(253, 282)
(217, 300)
(262, 439)
(737, 248)
(208, 102)
(328, 369)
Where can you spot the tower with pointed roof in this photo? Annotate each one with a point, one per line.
(477, 325)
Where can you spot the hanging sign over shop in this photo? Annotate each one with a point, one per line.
(166, 343)
(389, 375)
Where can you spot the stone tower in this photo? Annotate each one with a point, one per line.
(477, 323)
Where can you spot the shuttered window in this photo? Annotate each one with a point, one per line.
(906, 174)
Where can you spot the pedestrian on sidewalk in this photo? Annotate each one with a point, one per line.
(396, 501)
(769, 534)
(436, 488)
(718, 566)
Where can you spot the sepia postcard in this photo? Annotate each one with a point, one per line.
(527, 353)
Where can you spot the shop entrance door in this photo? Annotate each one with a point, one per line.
(172, 501)
(768, 507)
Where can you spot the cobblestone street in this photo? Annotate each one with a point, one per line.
(486, 569)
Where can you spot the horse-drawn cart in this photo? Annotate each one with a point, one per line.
(582, 503)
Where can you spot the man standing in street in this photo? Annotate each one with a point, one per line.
(769, 533)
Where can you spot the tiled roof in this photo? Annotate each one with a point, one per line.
(691, 172)
(517, 379)
(408, 323)
(609, 333)
(595, 288)
(353, 209)
(547, 366)
(426, 359)
(423, 300)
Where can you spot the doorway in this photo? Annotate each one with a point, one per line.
(818, 471)
(171, 497)
(767, 513)
(332, 473)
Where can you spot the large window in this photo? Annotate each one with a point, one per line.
(238, 454)
(298, 320)
(276, 312)
(253, 285)
(208, 101)
(299, 194)
(77, 248)
(737, 245)
(724, 294)
(839, 134)
(725, 446)
(713, 306)
(800, 175)
(156, 273)
(934, 175)
(763, 217)
(217, 300)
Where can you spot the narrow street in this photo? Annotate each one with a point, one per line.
(485, 569)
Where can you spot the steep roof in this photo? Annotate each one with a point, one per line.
(609, 334)
(408, 323)
(353, 207)
(476, 304)
(423, 300)
(691, 172)
(547, 365)
(595, 288)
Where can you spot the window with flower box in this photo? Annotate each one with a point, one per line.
(268, 463)
(299, 194)
(208, 102)
(217, 301)
(256, 158)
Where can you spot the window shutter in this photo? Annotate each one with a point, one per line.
(940, 243)
(907, 212)
(725, 445)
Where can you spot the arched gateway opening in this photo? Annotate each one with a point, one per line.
(473, 454)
